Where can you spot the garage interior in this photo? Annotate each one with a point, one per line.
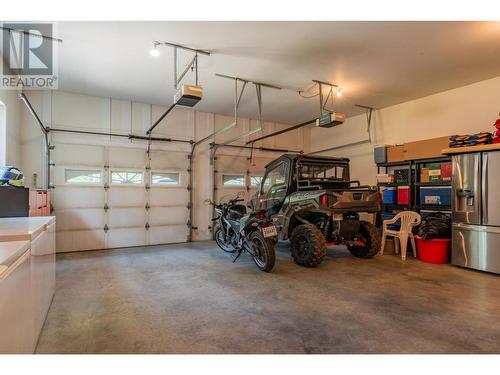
(115, 234)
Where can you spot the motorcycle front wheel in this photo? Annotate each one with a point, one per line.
(219, 238)
(264, 255)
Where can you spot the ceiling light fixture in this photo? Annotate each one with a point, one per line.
(339, 92)
(155, 51)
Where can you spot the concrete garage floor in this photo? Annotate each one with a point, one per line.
(190, 298)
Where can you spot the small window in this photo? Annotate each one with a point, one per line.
(255, 180)
(127, 177)
(165, 178)
(83, 176)
(233, 180)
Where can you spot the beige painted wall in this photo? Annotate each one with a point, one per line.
(468, 109)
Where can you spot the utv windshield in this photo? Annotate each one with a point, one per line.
(322, 172)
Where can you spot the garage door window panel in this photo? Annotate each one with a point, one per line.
(127, 178)
(233, 180)
(83, 176)
(165, 178)
(255, 180)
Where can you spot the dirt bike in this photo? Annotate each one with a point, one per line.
(238, 231)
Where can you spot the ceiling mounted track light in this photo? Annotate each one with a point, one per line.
(155, 51)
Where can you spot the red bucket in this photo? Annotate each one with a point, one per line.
(435, 251)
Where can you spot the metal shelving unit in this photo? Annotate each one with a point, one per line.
(413, 167)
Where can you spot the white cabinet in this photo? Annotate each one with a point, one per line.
(43, 275)
(16, 324)
(39, 235)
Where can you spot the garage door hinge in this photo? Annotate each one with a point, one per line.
(216, 171)
(147, 187)
(188, 188)
(148, 168)
(189, 156)
(106, 207)
(106, 186)
(106, 166)
(106, 228)
(188, 205)
(147, 207)
(147, 226)
(52, 187)
(189, 170)
(215, 158)
(52, 164)
(52, 147)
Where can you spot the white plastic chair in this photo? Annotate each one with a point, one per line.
(408, 219)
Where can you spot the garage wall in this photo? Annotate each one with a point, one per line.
(12, 127)
(468, 109)
(104, 215)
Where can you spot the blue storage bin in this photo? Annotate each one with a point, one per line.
(435, 195)
(390, 195)
(425, 213)
(388, 216)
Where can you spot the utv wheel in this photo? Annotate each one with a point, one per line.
(264, 251)
(371, 237)
(308, 245)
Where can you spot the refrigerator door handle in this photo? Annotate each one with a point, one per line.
(484, 188)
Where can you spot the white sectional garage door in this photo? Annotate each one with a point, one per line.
(110, 197)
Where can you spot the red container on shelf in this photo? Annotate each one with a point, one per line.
(435, 251)
(404, 195)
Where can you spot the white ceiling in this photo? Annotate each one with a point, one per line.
(377, 63)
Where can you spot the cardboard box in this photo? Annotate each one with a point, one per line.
(424, 175)
(429, 148)
(435, 172)
(446, 172)
(380, 154)
(395, 153)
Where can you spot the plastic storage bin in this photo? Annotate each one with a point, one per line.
(389, 195)
(425, 213)
(435, 195)
(403, 195)
(435, 251)
(388, 216)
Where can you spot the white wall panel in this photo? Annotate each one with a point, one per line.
(167, 234)
(121, 120)
(126, 217)
(178, 124)
(169, 160)
(126, 237)
(76, 219)
(168, 215)
(80, 240)
(167, 197)
(78, 197)
(76, 111)
(77, 154)
(127, 158)
(141, 118)
(127, 196)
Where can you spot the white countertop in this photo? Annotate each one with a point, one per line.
(23, 228)
(10, 252)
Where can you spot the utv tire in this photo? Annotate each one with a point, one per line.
(265, 248)
(371, 238)
(307, 245)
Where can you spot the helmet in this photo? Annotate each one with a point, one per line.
(11, 176)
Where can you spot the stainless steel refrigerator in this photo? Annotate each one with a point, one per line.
(476, 210)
